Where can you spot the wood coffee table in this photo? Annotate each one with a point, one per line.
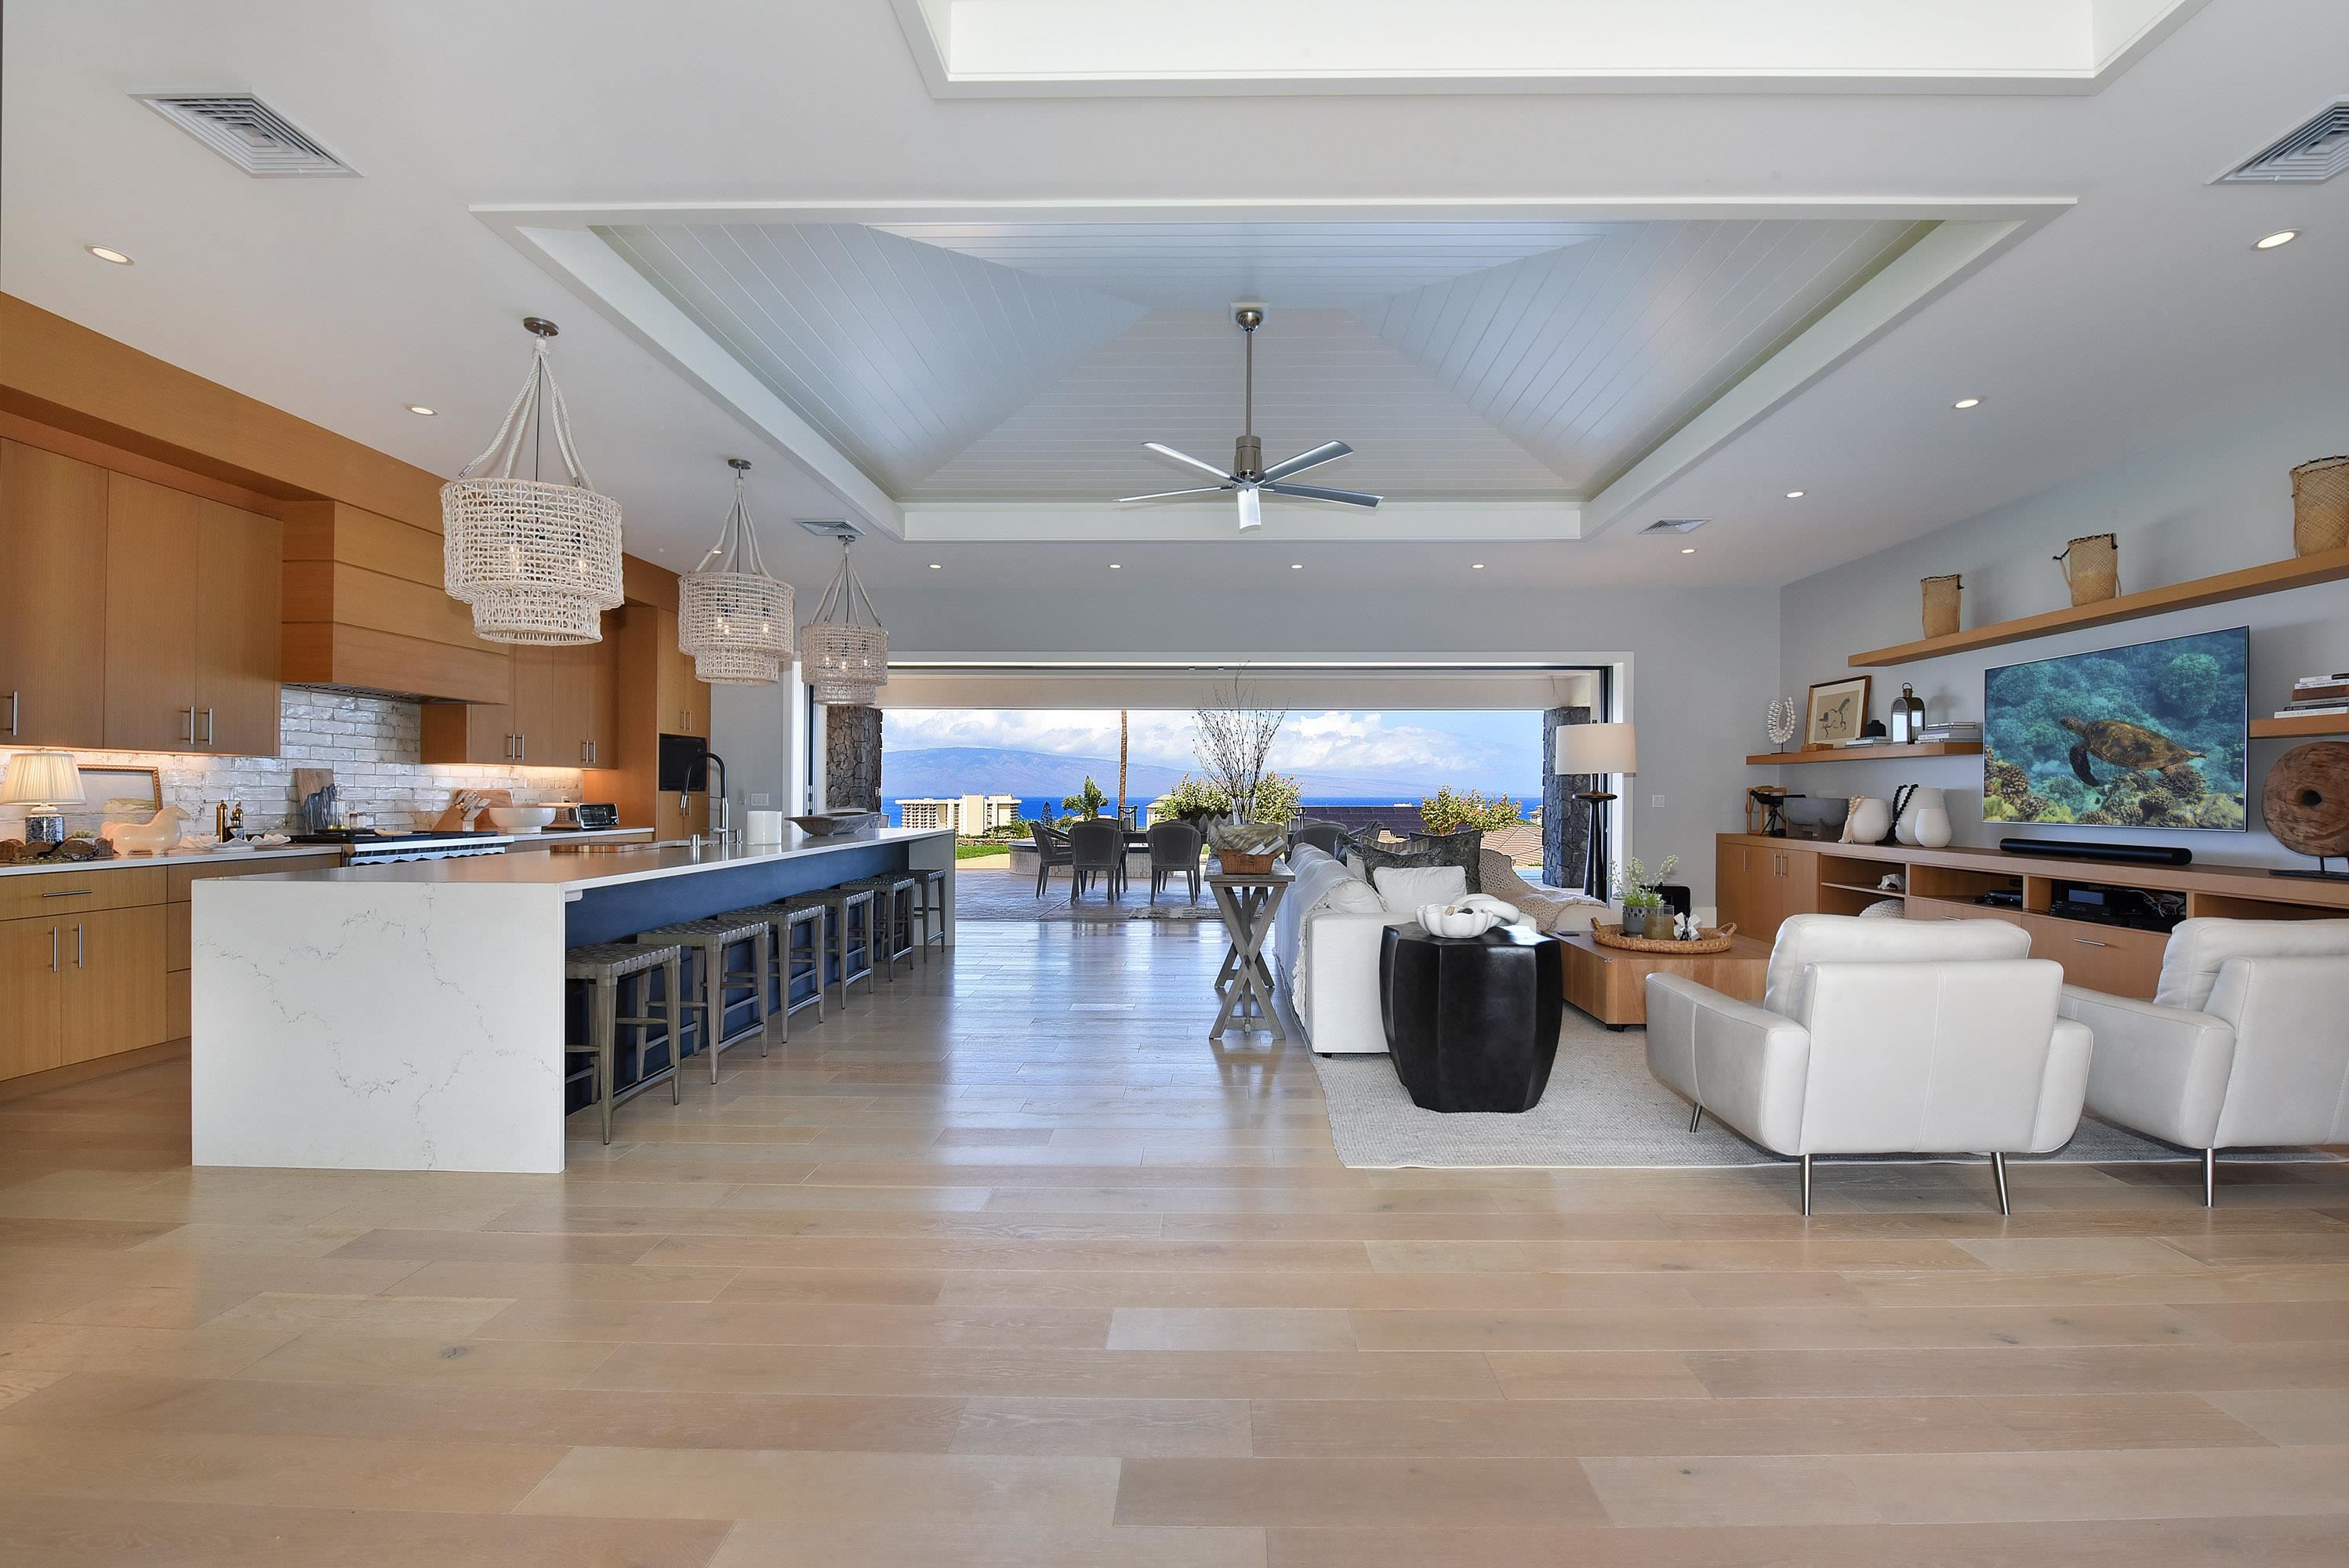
(1610, 984)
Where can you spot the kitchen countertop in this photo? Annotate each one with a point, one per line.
(175, 858)
(605, 869)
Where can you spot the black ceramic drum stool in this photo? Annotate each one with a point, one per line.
(1472, 1022)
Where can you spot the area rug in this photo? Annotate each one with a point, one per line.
(1604, 1109)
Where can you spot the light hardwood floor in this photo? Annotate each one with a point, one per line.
(1010, 1265)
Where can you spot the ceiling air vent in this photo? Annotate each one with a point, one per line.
(830, 528)
(248, 133)
(2316, 151)
(1676, 525)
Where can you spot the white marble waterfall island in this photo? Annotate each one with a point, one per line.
(410, 1018)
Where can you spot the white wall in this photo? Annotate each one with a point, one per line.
(758, 729)
(2189, 510)
(1703, 663)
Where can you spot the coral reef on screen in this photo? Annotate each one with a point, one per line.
(2149, 736)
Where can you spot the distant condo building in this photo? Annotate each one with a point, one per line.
(969, 815)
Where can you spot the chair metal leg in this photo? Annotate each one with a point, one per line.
(673, 981)
(1998, 1169)
(1806, 1186)
(759, 990)
(713, 997)
(602, 1033)
(1695, 1117)
(2211, 1178)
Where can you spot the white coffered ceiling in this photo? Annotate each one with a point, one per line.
(1546, 312)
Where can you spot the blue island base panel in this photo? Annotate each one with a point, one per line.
(618, 912)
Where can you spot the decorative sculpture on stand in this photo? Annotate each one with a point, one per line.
(1784, 717)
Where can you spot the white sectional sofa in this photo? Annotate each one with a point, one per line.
(1325, 946)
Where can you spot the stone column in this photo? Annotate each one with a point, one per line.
(851, 759)
(1565, 821)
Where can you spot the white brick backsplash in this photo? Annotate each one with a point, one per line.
(371, 744)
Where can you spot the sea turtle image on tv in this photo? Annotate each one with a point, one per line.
(2147, 735)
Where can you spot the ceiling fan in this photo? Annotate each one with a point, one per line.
(1248, 475)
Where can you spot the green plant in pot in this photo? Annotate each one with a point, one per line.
(1640, 892)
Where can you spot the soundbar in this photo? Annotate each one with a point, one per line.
(2089, 850)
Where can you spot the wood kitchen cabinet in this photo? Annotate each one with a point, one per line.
(111, 961)
(682, 698)
(81, 967)
(191, 623)
(32, 997)
(559, 713)
(52, 599)
(1758, 886)
(471, 731)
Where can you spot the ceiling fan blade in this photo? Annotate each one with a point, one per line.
(1315, 492)
(1251, 509)
(1187, 460)
(1328, 451)
(1161, 495)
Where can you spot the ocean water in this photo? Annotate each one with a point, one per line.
(1034, 807)
(2147, 735)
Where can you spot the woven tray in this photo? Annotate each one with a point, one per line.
(1715, 940)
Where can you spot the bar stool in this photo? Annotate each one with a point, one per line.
(710, 939)
(930, 909)
(845, 936)
(893, 919)
(603, 966)
(785, 954)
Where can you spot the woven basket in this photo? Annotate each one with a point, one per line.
(2320, 506)
(1237, 864)
(1714, 940)
(1941, 596)
(2092, 565)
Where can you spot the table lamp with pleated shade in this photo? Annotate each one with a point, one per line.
(41, 781)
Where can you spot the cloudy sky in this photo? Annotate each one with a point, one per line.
(1477, 750)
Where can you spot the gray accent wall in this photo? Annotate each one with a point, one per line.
(2184, 510)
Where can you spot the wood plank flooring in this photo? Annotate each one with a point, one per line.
(1011, 1265)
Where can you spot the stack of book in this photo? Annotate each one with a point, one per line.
(2316, 696)
(1954, 731)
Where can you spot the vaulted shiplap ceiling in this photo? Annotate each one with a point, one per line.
(1002, 361)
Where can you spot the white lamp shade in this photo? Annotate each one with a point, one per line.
(42, 779)
(1598, 749)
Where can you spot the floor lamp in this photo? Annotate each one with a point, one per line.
(1605, 750)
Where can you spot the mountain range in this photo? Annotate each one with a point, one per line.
(949, 770)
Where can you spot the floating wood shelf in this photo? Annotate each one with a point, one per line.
(2330, 566)
(2301, 725)
(1864, 753)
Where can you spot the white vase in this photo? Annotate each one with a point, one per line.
(1913, 825)
(1869, 820)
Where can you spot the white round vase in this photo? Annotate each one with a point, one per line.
(1869, 820)
(1926, 822)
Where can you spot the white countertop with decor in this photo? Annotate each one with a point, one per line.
(238, 853)
(411, 1016)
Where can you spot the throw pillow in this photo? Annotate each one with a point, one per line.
(1459, 849)
(1352, 897)
(1404, 888)
(1419, 854)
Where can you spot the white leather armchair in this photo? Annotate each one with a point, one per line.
(2246, 1041)
(1882, 1036)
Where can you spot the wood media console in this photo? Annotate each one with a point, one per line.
(1762, 881)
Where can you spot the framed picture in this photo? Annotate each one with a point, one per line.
(1837, 711)
(112, 794)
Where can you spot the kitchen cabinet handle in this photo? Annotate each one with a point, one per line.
(191, 724)
(14, 699)
(521, 747)
(69, 893)
(78, 944)
(53, 950)
(207, 726)
(2090, 942)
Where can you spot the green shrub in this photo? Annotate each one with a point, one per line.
(1450, 810)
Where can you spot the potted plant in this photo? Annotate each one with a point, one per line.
(1234, 738)
(1643, 905)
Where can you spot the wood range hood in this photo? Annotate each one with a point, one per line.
(363, 603)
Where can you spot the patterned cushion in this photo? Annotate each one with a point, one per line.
(1421, 853)
(1455, 850)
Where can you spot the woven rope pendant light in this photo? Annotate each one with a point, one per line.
(844, 651)
(539, 563)
(731, 617)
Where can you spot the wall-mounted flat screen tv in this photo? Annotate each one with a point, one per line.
(2147, 736)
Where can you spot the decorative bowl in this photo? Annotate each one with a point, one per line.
(835, 824)
(1451, 920)
(518, 818)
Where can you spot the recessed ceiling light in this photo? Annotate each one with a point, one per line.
(1113, 566)
(1688, 549)
(1297, 566)
(2280, 237)
(1476, 566)
(1794, 495)
(937, 566)
(105, 254)
(420, 408)
(1967, 402)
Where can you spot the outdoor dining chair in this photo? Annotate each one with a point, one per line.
(1051, 850)
(1097, 848)
(1173, 851)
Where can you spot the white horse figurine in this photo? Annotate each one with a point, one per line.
(152, 836)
